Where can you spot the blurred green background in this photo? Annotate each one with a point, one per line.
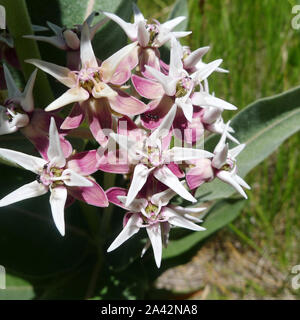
(252, 257)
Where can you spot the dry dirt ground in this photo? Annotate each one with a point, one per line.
(224, 269)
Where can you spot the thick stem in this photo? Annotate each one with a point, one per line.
(19, 24)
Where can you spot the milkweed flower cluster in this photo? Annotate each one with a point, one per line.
(148, 117)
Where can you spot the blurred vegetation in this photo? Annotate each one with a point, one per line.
(262, 51)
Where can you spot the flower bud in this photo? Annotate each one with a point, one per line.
(71, 39)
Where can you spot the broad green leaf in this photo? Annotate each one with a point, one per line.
(180, 8)
(16, 289)
(264, 125)
(30, 244)
(222, 213)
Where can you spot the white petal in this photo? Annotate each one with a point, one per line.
(230, 179)
(87, 56)
(163, 198)
(177, 220)
(221, 144)
(56, 41)
(30, 190)
(181, 34)
(207, 70)
(154, 234)
(57, 201)
(176, 65)
(109, 66)
(234, 152)
(146, 247)
(128, 231)
(188, 210)
(187, 109)
(167, 177)
(55, 153)
(218, 103)
(143, 34)
(96, 27)
(130, 29)
(70, 96)
(168, 83)
(58, 72)
(242, 182)
(183, 154)
(136, 205)
(26, 100)
(30, 163)
(192, 59)
(220, 158)
(171, 24)
(125, 143)
(139, 178)
(13, 90)
(102, 90)
(138, 16)
(72, 178)
(163, 129)
(211, 114)
(55, 28)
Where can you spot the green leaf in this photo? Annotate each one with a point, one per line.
(31, 247)
(222, 213)
(180, 8)
(264, 125)
(16, 289)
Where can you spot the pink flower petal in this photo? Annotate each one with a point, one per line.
(123, 71)
(123, 103)
(37, 132)
(152, 118)
(84, 163)
(147, 88)
(114, 162)
(201, 173)
(188, 131)
(126, 127)
(176, 170)
(99, 118)
(113, 193)
(92, 195)
(74, 119)
(149, 57)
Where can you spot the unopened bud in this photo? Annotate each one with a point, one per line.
(71, 39)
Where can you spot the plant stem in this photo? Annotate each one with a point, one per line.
(19, 24)
(108, 182)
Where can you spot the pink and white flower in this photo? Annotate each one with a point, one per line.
(156, 215)
(150, 35)
(90, 89)
(152, 157)
(61, 176)
(222, 165)
(18, 113)
(176, 90)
